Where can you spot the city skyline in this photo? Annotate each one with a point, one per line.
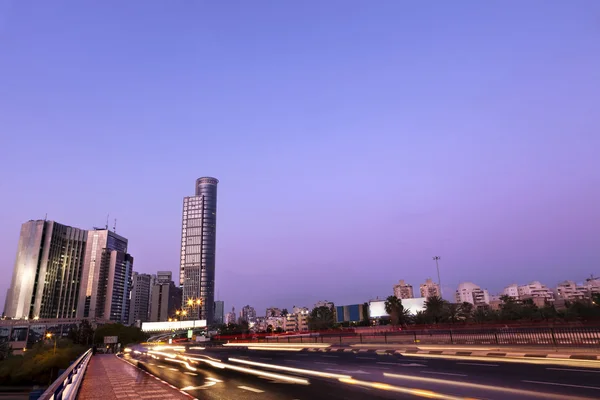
(468, 133)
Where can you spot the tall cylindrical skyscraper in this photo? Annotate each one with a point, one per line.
(198, 240)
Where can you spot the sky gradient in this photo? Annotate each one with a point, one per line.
(353, 140)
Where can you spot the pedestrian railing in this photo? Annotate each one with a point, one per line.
(67, 385)
(585, 337)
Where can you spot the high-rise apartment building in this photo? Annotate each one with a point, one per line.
(164, 277)
(468, 292)
(140, 298)
(248, 314)
(273, 312)
(430, 289)
(198, 235)
(403, 290)
(47, 271)
(219, 316)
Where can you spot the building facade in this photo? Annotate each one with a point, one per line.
(248, 314)
(403, 290)
(296, 321)
(571, 291)
(140, 298)
(351, 313)
(535, 290)
(47, 272)
(166, 300)
(273, 312)
(430, 289)
(471, 293)
(198, 239)
(219, 315)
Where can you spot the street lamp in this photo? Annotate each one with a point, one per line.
(49, 336)
(436, 259)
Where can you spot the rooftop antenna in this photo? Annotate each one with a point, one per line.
(106, 226)
(115, 226)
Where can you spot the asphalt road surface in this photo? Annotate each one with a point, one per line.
(369, 375)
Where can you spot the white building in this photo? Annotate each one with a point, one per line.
(592, 285)
(299, 310)
(570, 291)
(231, 318)
(430, 289)
(512, 291)
(471, 293)
(535, 289)
(403, 290)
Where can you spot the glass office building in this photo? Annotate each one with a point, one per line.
(197, 263)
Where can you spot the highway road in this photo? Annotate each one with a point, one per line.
(341, 375)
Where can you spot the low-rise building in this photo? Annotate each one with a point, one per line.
(570, 291)
(535, 289)
(296, 321)
(511, 290)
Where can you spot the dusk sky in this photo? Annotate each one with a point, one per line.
(353, 140)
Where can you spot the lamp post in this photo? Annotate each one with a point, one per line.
(193, 303)
(49, 336)
(436, 259)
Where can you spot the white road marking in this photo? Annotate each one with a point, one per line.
(206, 385)
(563, 384)
(348, 372)
(161, 366)
(323, 363)
(190, 373)
(251, 389)
(441, 373)
(481, 365)
(173, 369)
(367, 358)
(401, 364)
(574, 370)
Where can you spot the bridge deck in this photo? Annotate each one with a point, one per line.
(107, 378)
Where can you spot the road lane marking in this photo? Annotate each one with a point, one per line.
(563, 384)
(574, 370)
(480, 364)
(348, 372)
(401, 364)
(366, 358)
(324, 363)
(441, 373)
(173, 369)
(190, 373)
(160, 366)
(251, 389)
(504, 390)
(206, 385)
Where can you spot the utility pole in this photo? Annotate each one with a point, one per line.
(437, 265)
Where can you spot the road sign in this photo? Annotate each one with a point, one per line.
(111, 339)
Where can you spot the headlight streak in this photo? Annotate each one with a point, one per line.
(290, 369)
(391, 388)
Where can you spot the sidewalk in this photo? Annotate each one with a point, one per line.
(109, 378)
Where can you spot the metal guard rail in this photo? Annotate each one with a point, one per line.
(67, 385)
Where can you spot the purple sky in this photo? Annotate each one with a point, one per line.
(353, 140)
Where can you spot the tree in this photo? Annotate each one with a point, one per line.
(284, 312)
(270, 329)
(465, 311)
(321, 318)
(365, 321)
(436, 308)
(5, 350)
(394, 307)
(452, 312)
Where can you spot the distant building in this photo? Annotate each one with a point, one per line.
(248, 314)
(231, 318)
(140, 298)
(47, 271)
(430, 289)
(296, 321)
(273, 312)
(570, 291)
(535, 290)
(219, 316)
(351, 313)
(324, 303)
(471, 293)
(164, 277)
(166, 300)
(403, 290)
(511, 290)
(592, 285)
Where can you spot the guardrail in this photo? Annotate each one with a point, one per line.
(584, 337)
(67, 385)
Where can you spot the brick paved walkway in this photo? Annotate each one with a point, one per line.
(109, 378)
